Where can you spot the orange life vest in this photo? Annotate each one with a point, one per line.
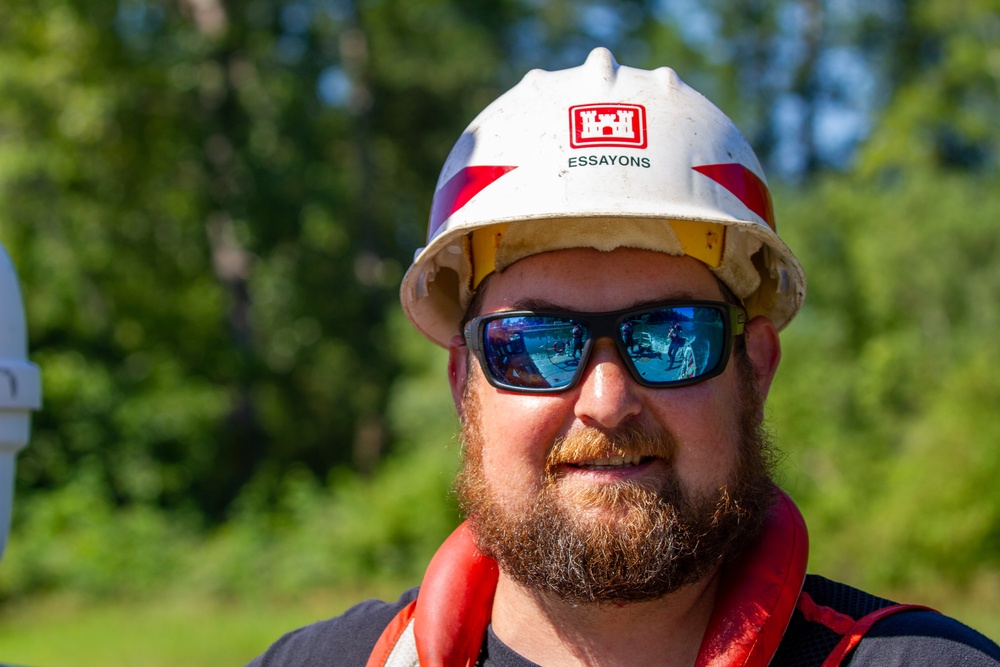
(446, 625)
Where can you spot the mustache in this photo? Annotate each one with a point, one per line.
(591, 443)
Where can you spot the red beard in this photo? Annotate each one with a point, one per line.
(648, 540)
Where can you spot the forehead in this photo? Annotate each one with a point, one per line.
(584, 279)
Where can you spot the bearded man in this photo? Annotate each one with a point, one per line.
(620, 506)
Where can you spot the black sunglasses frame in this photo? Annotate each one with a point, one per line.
(607, 325)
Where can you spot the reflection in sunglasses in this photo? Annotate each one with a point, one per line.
(661, 346)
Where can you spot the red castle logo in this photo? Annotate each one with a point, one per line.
(607, 125)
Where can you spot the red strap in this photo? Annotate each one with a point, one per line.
(455, 603)
(852, 638)
(837, 621)
(758, 593)
(387, 641)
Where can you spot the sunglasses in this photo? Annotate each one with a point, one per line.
(670, 344)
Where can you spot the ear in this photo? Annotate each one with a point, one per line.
(764, 351)
(458, 362)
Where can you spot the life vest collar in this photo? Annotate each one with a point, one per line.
(756, 599)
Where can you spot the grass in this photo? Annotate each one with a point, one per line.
(176, 631)
(190, 631)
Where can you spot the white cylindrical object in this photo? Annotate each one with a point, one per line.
(20, 387)
(7, 461)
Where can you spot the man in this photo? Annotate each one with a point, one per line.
(577, 340)
(620, 512)
(676, 341)
(628, 333)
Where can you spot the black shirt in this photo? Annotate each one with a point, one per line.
(906, 638)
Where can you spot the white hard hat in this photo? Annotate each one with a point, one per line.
(600, 156)
(20, 387)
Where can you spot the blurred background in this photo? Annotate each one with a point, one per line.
(211, 203)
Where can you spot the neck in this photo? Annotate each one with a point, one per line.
(666, 632)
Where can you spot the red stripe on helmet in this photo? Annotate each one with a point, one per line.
(745, 185)
(459, 189)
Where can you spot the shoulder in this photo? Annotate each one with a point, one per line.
(828, 610)
(347, 639)
(924, 638)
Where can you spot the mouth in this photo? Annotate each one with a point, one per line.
(612, 462)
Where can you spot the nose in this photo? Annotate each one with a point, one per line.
(607, 393)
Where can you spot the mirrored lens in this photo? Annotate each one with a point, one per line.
(532, 351)
(664, 346)
(675, 344)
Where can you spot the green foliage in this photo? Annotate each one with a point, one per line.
(943, 110)
(210, 246)
(305, 535)
(74, 539)
(346, 532)
(885, 402)
(210, 214)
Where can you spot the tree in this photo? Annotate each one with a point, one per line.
(209, 205)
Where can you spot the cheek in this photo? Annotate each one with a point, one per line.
(706, 423)
(517, 433)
